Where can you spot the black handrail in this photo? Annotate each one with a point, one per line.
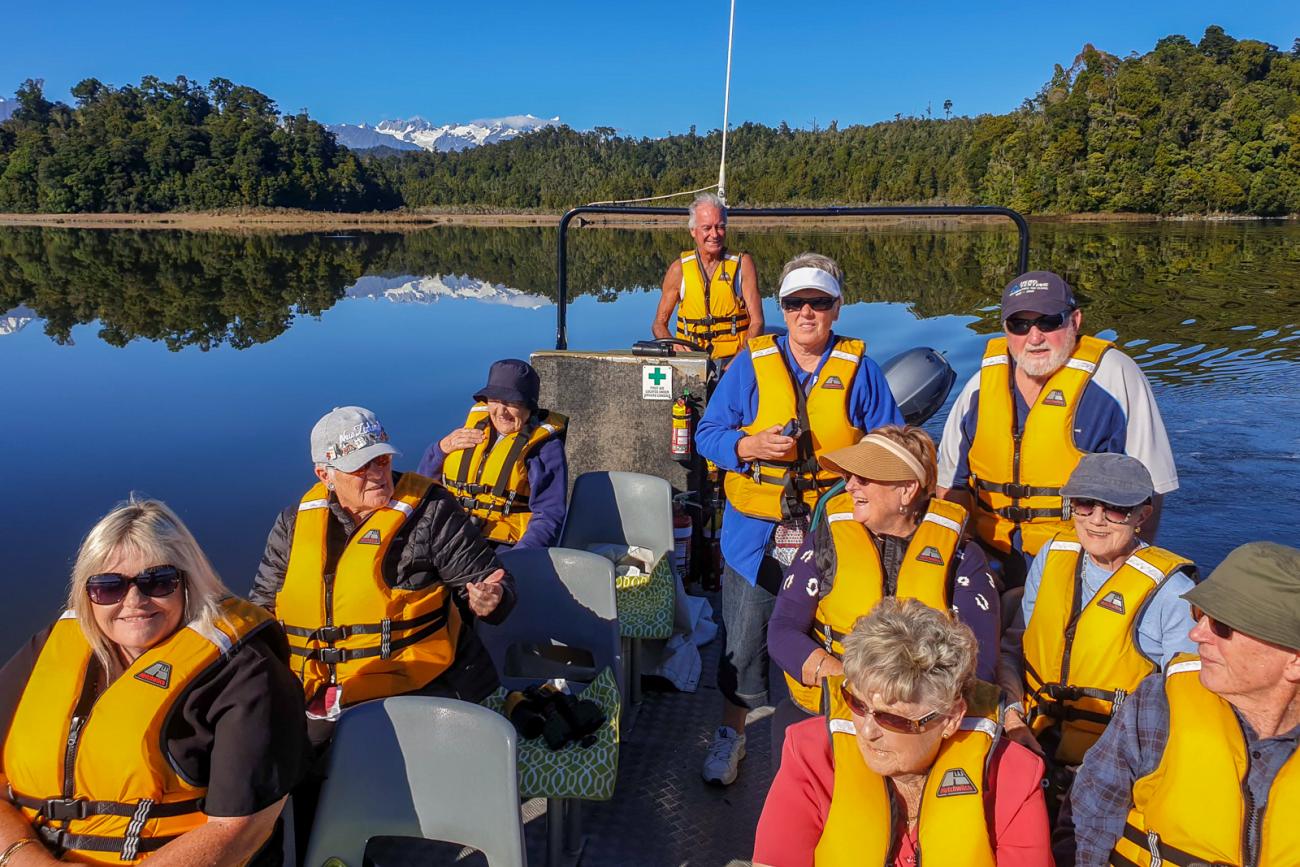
(562, 259)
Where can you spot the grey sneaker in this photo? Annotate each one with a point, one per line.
(725, 753)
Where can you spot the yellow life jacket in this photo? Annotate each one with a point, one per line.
(350, 628)
(1083, 657)
(953, 823)
(855, 580)
(790, 487)
(92, 775)
(1017, 480)
(490, 481)
(712, 311)
(1194, 807)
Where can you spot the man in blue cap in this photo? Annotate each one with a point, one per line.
(506, 464)
(1044, 396)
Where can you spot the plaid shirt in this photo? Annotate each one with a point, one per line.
(1131, 748)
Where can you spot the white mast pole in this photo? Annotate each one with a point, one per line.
(726, 105)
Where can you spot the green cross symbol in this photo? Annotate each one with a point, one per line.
(657, 376)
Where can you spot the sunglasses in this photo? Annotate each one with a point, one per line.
(1218, 627)
(821, 303)
(382, 462)
(1114, 514)
(888, 721)
(110, 588)
(1045, 324)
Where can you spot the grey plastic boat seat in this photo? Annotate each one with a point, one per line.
(565, 621)
(622, 508)
(389, 769)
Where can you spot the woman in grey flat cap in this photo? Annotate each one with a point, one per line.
(1102, 610)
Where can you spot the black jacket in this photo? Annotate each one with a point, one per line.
(437, 545)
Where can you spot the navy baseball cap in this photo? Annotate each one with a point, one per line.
(1039, 292)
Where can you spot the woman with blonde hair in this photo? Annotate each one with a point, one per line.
(909, 767)
(157, 718)
(885, 535)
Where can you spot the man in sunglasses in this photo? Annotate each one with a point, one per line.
(783, 403)
(1102, 610)
(1044, 396)
(714, 292)
(1199, 765)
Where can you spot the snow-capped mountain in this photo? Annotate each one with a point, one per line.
(15, 320)
(419, 133)
(428, 289)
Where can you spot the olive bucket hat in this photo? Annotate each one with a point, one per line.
(1255, 590)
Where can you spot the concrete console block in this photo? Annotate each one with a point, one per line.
(611, 425)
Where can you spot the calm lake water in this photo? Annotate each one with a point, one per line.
(191, 367)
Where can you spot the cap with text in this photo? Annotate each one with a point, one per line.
(348, 438)
(1039, 292)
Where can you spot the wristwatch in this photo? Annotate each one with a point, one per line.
(1018, 707)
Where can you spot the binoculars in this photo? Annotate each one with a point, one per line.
(548, 712)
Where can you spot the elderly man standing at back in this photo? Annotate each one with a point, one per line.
(782, 404)
(718, 291)
(1200, 764)
(1045, 395)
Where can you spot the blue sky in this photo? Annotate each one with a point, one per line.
(646, 68)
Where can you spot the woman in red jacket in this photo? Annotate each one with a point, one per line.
(909, 760)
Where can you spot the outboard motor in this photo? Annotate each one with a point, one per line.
(920, 379)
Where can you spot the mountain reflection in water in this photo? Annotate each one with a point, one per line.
(233, 344)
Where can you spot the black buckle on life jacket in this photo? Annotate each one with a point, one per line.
(331, 655)
(1017, 514)
(331, 634)
(65, 809)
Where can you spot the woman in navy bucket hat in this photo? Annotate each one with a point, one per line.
(506, 464)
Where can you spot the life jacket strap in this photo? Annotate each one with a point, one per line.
(1014, 490)
(333, 634)
(61, 841)
(1162, 853)
(335, 655)
(1052, 698)
(72, 809)
(1020, 514)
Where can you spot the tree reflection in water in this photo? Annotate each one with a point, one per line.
(1144, 281)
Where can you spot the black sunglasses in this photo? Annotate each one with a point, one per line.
(1045, 324)
(110, 588)
(821, 303)
(1083, 507)
(1218, 627)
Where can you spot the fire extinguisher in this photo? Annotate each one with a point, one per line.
(680, 445)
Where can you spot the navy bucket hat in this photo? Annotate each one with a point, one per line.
(513, 380)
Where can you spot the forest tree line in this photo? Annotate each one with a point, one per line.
(1202, 127)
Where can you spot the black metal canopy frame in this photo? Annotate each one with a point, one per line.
(562, 260)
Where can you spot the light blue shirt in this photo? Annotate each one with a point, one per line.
(1161, 629)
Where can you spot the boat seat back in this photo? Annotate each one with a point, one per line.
(417, 766)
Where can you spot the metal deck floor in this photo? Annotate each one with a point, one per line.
(662, 814)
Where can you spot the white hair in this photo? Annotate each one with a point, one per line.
(813, 260)
(706, 199)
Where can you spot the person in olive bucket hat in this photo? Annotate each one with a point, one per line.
(506, 464)
(1200, 764)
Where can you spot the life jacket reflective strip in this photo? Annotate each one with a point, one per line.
(712, 313)
(351, 629)
(857, 581)
(1017, 482)
(790, 487)
(953, 820)
(490, 481)
(92, 775)
(1083, 659)
(1194, 807)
